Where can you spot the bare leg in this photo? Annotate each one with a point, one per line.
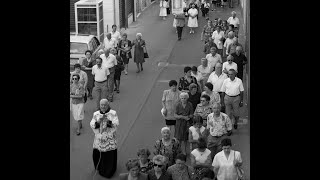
(141, 67)
(138, 68)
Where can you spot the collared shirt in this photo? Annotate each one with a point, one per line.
(177, 174)
(116, 36)
(105, 137)
(198, 76)
(228, 66)
(235, 21)
(240, 60)
(226, 167)
(109, 61)
(109, 43)
(217, 37)
(217, 81)
(212, 60)
(204, 71)
(218, 126)
(232, 88)
(227, 43)
(100, 74)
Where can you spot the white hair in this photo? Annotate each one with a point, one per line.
(139, 34)
(184, 94)
(165, 129)
(104, 101)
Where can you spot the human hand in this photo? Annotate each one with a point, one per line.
(240, 104)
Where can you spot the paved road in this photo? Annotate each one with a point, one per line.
(139, 102)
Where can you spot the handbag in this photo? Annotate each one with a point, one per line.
(240, 171)
(145, 53)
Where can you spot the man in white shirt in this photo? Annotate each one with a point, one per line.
(235, 21)
(109, 42)
(100, 74)
(232, 96)
(115, 35)
(213, 58)
(216, 78)
(229, 64)
(109, 61)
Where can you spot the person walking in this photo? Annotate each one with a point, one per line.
(179, 22)
(109, 61)
(115, 35)
(229, 64)
(146, 164)
(241, 60)
(100, 74)
(83, 78)
(105, 124)
(180, 170)
(192, 22)
(207, 31)
(124, 47)
(213, 58)
(87, 65)
(163, 9)
(218, 37)
(186, 80)
(139, 48)
(235, 21)
(77, 101)
(109, 42)
(232, 96)
(118, 68)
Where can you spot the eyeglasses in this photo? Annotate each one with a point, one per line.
(74, 78)
(159, 165)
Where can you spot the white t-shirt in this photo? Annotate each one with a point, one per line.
(216, 38)
(217, 81)
(235, 21)
(227, 169)
(109, 43)
(100, 74)
(228, 66)
(201, 157)
(109, 61)
(232, 88)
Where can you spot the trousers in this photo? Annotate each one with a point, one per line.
(232, 106)
(100, 91)
(110, 83)
(179, 29)
(214, 144)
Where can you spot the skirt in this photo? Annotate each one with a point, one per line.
(117, 74)
(108, 162)
(181, 129)
(77, 111)
(192, 22)
(163, 12)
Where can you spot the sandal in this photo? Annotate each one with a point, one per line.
(78, 133)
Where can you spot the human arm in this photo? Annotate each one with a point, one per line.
(190, 139)
(238, 159)
(85, 79)
(241, 94)
(95, 123)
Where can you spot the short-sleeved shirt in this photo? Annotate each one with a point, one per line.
(228, 66)
(240, 61)
(177, 174)
(116, 36)
(232, 88)
(227, 170)
(170, 99)
(235, 21)
(214, 97)
(203, 111)
(100, 74)
(205, 71)
(212, 60)
(184, 111)
(201, 157)
(109, 61)
(195, 134)
(83, 77)
(217, 38)
(219, 126)
(109, 43)
(217, 81)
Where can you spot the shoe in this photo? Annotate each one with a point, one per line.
(115, 89)
(235, 126)
(137, 71)
(126, 73)
(78, 133)
(141, 68)
(179, 39)
(118, 91)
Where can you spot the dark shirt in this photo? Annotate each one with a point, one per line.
(239, 60)
(184, 83)
(164, 175)
(194, 99)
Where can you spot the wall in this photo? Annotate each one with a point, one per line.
(72, 16)
(108, 15)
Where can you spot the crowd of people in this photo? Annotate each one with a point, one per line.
(200, 110)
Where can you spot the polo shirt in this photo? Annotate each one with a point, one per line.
(240, 61)
(100, 74)
(235, 21)
(109, 61)
(212, 60)
(228, 66)
(232, 88)
(217, 81)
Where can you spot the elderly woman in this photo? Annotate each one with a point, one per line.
(159, 169)
(139, 48)
(214, 96)
(170, 98)
(117, 70)
(194, 95)
(193, 21)
(226, 162)
(87, 64)
(145, 163)
(186, 80)
(180, 170)
(163, 9)
(218, 37)
(167, 146)
(183, 115)
(204, 108)
(201, 159)
(207, 32)
(104, 124)
(83, 75)
(133, 167)
(77, 101)
(125, 46)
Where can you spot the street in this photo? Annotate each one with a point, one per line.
(139, 102)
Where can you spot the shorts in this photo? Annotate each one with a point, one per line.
(170, 122)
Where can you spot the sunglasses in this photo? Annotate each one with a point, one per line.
(202, 100)
(74, 78)
(159, 165)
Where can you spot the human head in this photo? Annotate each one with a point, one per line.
(187, 71)
(159, 162)
(202, 144)
(224, 23)
(231, 35)
(138, 35)
(181, 160)
(113, 51)
(106, 51)
(204, 99)
(143, 154)
(232, 74)
(208, 86)
(193, 88)
(192, 5)
(104, 105)
(216, 107)
(197, 121)
(173, 85)
(235, 40)
(231, 26)
(114, 28)
(230, 59)
(101, 51)
(133, 166)
(209, 22)
(218, 28)
(194, 69)
(218, 68)
(108, 35)
(124, 36)
(213, 50)
(238, 50)
(98, 61)
(165, 133)
(184, 97)
(88, 54)
(233, 13)
(77, 68)
(204, 62)
(75, 77)
(226, 145)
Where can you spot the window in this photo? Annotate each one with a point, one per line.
(78, 48)
(87, 28)
(87, 14)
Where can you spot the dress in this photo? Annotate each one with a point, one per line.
(138, 56)
(163, 8)
(170, 151)
(77, 103)
(193, 22)
(182, 126)
(170, 99)
(126, 45)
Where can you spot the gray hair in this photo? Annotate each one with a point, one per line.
(139, 34)
(184, 94)
(104, 101)
(159, 158)
(165, 129)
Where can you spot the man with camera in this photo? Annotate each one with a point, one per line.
(104, 125)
